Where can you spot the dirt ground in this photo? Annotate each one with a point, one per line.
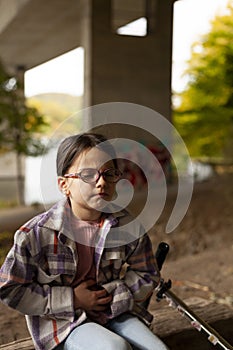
(200, 261)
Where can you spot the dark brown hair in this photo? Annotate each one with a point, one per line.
(73, 146)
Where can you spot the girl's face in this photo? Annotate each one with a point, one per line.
(87, 199)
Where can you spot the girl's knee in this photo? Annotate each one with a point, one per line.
(120, 344)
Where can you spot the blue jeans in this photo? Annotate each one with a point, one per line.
(126, 332)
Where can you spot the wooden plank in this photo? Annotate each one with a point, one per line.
(168, 320)
(21, 344)
(177, 332)
(172, 327)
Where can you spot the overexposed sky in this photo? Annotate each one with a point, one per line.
(192, 18)
(65, 73)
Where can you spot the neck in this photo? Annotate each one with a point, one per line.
(86, 214)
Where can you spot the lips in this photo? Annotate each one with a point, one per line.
(100, 195)
(103, 194)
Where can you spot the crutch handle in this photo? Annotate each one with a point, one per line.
(161, 253)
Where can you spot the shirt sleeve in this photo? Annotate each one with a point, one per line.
(141, 278)
(19, 288)
(142, 275)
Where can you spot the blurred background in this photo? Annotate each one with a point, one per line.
(190, 83)
(175, 57)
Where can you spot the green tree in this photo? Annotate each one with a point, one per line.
(59, 109)
(204, 117)
(20, 125)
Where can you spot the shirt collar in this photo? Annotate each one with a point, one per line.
(56, 217)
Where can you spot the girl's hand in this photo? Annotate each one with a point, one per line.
(89, 300)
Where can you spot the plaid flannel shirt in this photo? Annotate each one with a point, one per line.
(37, 274)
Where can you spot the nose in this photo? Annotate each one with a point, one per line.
(101, 181)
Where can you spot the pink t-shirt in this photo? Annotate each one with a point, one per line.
(86, 261)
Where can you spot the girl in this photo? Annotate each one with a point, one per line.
(64, 271)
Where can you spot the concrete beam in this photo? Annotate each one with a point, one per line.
(117, 68)
(128, 68)
(35, 31)
(8, 10)
(38, 31)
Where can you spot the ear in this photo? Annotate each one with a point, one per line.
(63, 185)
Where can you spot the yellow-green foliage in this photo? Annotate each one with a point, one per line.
(6, 241)
(204, 117)
(57, 109)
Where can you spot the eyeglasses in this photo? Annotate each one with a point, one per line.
(90, 175)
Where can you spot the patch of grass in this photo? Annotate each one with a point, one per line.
(6, 241)
(7, 204)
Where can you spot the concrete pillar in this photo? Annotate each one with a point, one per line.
(128, 68)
